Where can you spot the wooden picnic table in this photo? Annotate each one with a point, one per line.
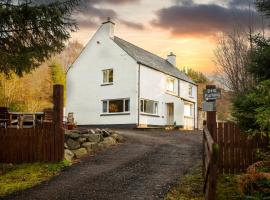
(21, 116)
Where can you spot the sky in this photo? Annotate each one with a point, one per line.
(188, 28)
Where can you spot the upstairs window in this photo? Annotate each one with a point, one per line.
(149, 106)
(107, 76)
(188, 110)
(170, 84)
(115, 106)
(190, 90)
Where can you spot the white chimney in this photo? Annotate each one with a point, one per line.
(109, 27)
(171, 58)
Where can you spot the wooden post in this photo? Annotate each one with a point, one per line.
(58, 104)
(211, 118)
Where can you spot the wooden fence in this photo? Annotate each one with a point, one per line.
(237, 149)
(42, 143)
(210, 165)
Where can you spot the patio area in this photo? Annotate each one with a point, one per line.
(10, 119)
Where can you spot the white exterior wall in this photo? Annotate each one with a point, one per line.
(84, 79)
(153, 87)
(184, 94)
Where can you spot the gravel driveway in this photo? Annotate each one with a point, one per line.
(144, 167)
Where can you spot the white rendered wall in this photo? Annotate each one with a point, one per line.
(84, 79)
(153, 87)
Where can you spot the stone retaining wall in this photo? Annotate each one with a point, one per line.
(79, 142)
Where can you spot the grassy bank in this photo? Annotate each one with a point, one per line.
(190, 187)
(22, 176)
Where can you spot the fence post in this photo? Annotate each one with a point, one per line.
(58, 105)
(211, 118)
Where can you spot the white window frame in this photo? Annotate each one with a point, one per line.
(107, 76)
(170, 79)
(155, 107)
(108, 104)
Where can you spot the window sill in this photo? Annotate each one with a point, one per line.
(171, 93)
(148, 114)
(112, 114)
(105, 84)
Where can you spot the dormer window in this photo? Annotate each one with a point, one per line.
(107, 76)
(170, 84)
(190, 90)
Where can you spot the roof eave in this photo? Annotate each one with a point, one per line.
(166, 73)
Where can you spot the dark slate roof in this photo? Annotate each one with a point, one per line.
(150, 60)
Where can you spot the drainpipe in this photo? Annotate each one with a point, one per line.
(139, 91)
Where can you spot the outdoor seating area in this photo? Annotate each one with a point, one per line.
(10, 119)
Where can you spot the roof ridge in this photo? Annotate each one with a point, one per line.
(147, 51)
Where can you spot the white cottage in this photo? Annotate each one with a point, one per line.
(115, 83)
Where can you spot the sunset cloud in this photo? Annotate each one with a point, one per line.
(90, 13)
(188, 18)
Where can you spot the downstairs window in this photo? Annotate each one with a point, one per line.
(116, 106)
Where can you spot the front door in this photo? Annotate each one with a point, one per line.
(170, 113)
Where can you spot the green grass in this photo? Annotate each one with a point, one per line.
(227, 187)
(190, 188)
(22, 176)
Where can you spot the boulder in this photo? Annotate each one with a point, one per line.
(68, 155)
(94, 138)
(105, 133)
(97, 130)
(86, 135)
(117, 137)
(108, 141)
(80, 152)
(84, 131)
(81, 140)
(65, 146)
(91, 131)
(90, 146)
(74, 135)
(73, 144)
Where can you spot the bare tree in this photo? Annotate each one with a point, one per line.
(232, 58)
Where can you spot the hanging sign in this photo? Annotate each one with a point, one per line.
(211, 94)
(209, 106)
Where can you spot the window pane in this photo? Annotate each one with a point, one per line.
(127, 105)
(156, 108)
(104, 106)
(110, 75)
(190, 90)
(170, 84)
(142, 110)
(149, 106)
(116, 106)
(105, 76)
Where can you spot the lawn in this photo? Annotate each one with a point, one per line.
(23, 176)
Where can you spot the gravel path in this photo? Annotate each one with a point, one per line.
(144, 167)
